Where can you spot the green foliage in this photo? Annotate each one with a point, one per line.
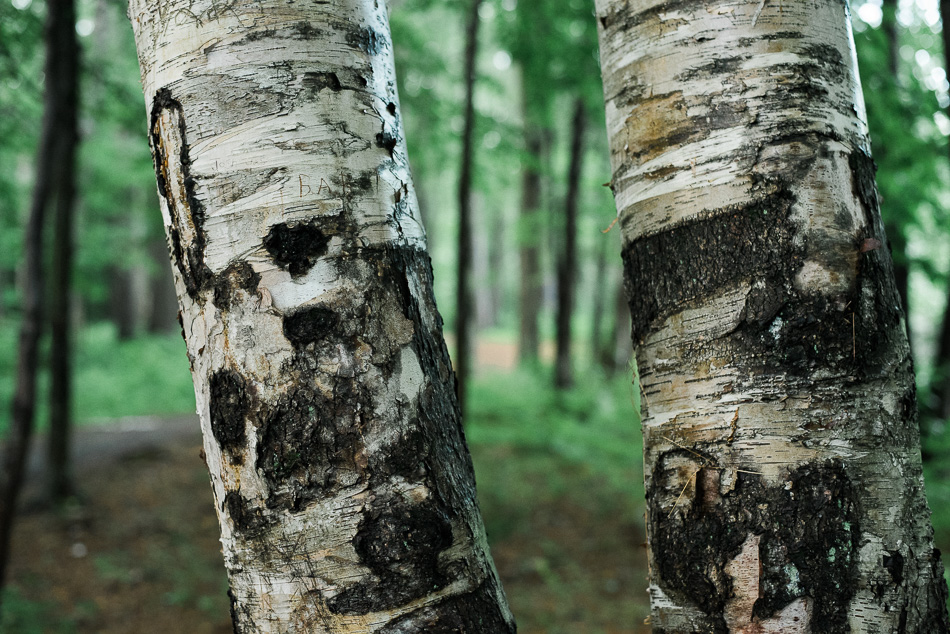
(20, 112)
(113, 379)
(907, 145)
(552, 441)
(22, 616)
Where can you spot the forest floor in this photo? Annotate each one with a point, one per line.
(138, 550)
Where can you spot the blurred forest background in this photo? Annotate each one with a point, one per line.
(557, 453)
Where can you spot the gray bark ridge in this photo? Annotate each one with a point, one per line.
(341, 478)
(782, 461)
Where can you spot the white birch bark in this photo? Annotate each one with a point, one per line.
(782, 463)
(340, 475)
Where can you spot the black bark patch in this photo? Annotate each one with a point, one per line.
(387, 140)
(715, 68)
(187, 258)
(666, 271)
(309, 325)
(232, 401)
(315, 82)
(744, 42)
(308, 441)
(304, 30)
(863, 169)
(296, 247)
(829, 57)
(817, 532)
(808, 548)
(894, 564)
(391, 108)
(367, 40)
(400, 543)
(245, 519)
(934, 618)
(255, 36)
(238, 275)
(476, 612)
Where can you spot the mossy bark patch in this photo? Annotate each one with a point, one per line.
(809, 539)
(307, 443)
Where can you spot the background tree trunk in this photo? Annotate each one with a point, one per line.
(61, 292)
(894, 230)
(341, 478)
(940, 385)
(529, 299)
(464, 304)
(567, 264)
(782, 462)
(57, 143)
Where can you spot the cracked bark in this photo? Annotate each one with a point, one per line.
(782, 461)
(340, 474)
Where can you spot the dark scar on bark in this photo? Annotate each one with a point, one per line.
(400, 543)
(246, 520)
(296, 247)
(367, 40)
(810, 551)
(666, 271)
(188, 258)
(475, 611)
(238, 275)
(309, 325)
(232, 401)
(315, 82)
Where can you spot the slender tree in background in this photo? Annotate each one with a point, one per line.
(892, 225)
(332, 433)
(567, 260)
(61, 287)
(940, 386)
(529, 296)
(464, 305)
(54, 162)
(782, 462)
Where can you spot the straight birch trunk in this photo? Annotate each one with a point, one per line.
(340, 474)
(782, 462)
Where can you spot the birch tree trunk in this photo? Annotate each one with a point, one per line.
(341, 478)
(782, 462)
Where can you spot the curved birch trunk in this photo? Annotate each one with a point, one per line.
(783, 477)
(341, 478)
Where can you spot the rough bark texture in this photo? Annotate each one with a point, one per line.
(529, 296)
(567, 263)
(331, 431)
(782, 463)
(57, 141)
(463, 302)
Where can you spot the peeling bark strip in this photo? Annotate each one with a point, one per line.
(341, 479)
(176, 186)
(782, 463)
